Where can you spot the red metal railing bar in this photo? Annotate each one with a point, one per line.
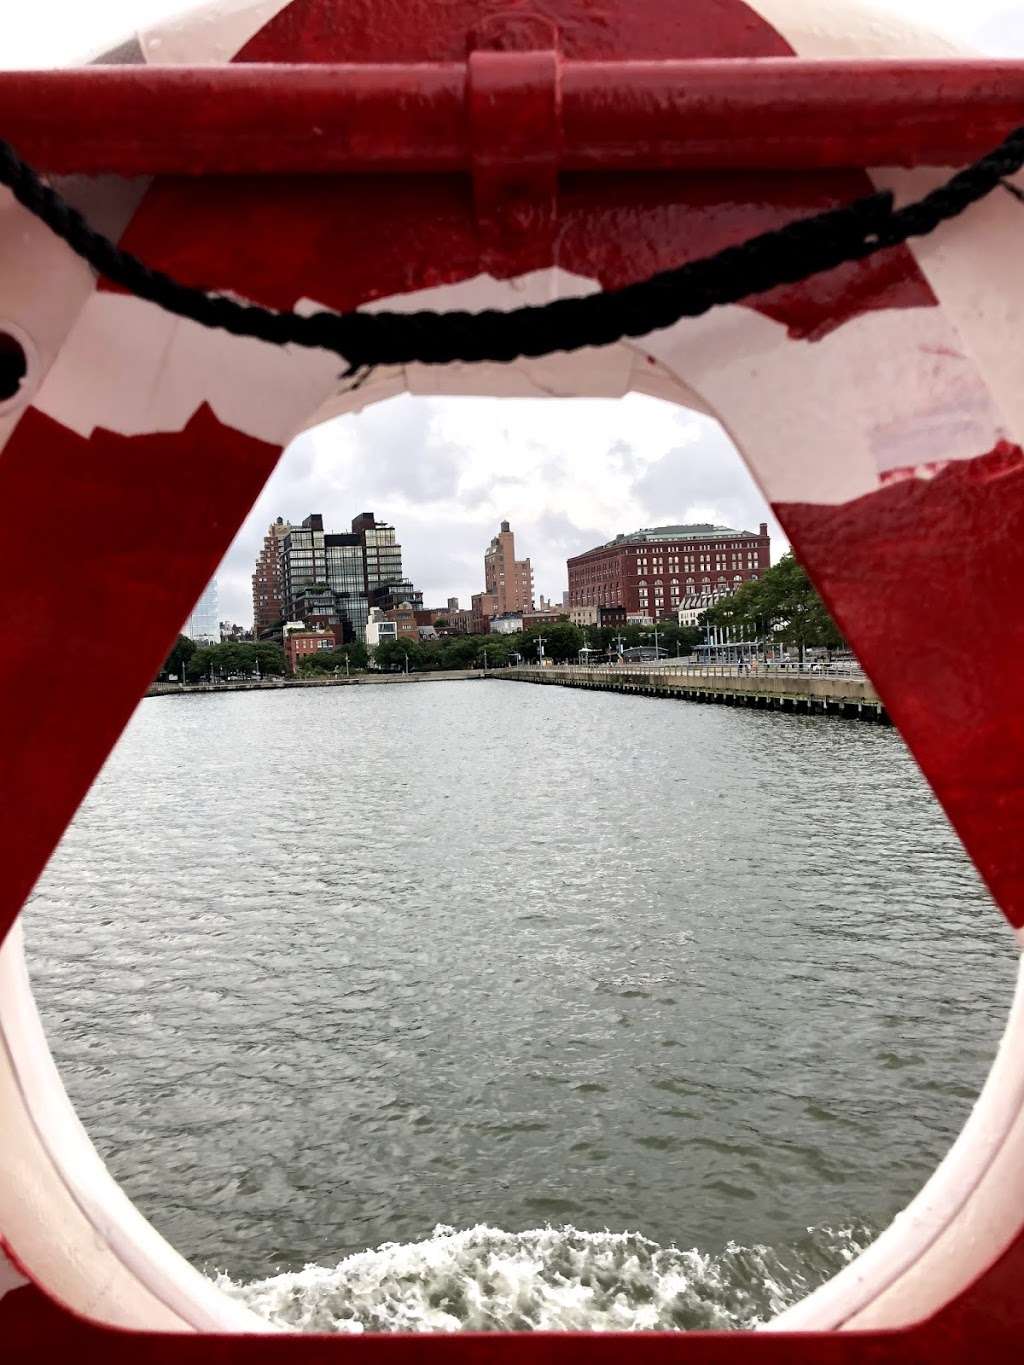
(765, 114)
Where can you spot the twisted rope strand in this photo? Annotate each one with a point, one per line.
(786, 255)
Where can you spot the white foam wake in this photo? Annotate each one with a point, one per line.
(557, 1279)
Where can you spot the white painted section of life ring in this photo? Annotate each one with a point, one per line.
(74, 1230)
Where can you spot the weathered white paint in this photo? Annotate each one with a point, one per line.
(72, 1227)
(10, 1278)
(210, 35)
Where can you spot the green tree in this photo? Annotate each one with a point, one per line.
(562, 641)
(392, 655)
(495, 647)
(235, 657)
(270, 658)
(459, 651)
(782, 606)
(177, 660)
(334, 660)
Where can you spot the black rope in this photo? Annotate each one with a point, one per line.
(787, 255)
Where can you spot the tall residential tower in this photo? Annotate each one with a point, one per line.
(329, 579)
(509, 581)
(268, 581)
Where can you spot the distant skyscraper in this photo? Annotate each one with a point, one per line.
(330, 577)
(509, 581)
(303, 565)
(267, 581)
(203, 624)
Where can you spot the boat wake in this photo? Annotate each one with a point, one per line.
(483, 1279)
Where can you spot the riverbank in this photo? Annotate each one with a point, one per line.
(851, 695)
(284, 684)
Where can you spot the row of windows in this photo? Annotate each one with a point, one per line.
(691, 548)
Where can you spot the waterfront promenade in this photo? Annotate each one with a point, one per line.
(168, 689)
(834, 694)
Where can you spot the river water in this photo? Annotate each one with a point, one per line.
(499, 1006)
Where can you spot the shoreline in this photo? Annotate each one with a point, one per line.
(287, 684)
(791, 693)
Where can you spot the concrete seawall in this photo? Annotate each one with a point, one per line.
(809, 693)
(287, 684)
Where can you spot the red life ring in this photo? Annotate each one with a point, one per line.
(879, 406)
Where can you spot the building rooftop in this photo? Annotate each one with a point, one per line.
(695, 531)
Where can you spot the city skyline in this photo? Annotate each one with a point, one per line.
(567, 474)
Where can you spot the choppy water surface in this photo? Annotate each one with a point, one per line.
(500, 1006)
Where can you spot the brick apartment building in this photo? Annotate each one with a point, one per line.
(404, 618)
(508, 583)
(460, 619)
(329, 579)
(268, 580)
(300, 644)
(648, 573)
(507, 579)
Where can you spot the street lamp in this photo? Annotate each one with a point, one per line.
(647, 636)
(540, 642)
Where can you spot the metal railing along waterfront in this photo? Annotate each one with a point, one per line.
(839, 691)
(687, 668)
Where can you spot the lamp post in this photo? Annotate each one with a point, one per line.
(540, 642)
(656, 633)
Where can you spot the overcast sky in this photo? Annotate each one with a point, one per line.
(566, 474)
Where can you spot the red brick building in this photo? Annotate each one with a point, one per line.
(268, 580)
(404, 617)
(649, 572)
(300, 644)
(507, 580)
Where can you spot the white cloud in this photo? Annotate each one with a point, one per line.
(567, 474)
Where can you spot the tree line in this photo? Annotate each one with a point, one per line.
(233, 658)
(561, 642)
